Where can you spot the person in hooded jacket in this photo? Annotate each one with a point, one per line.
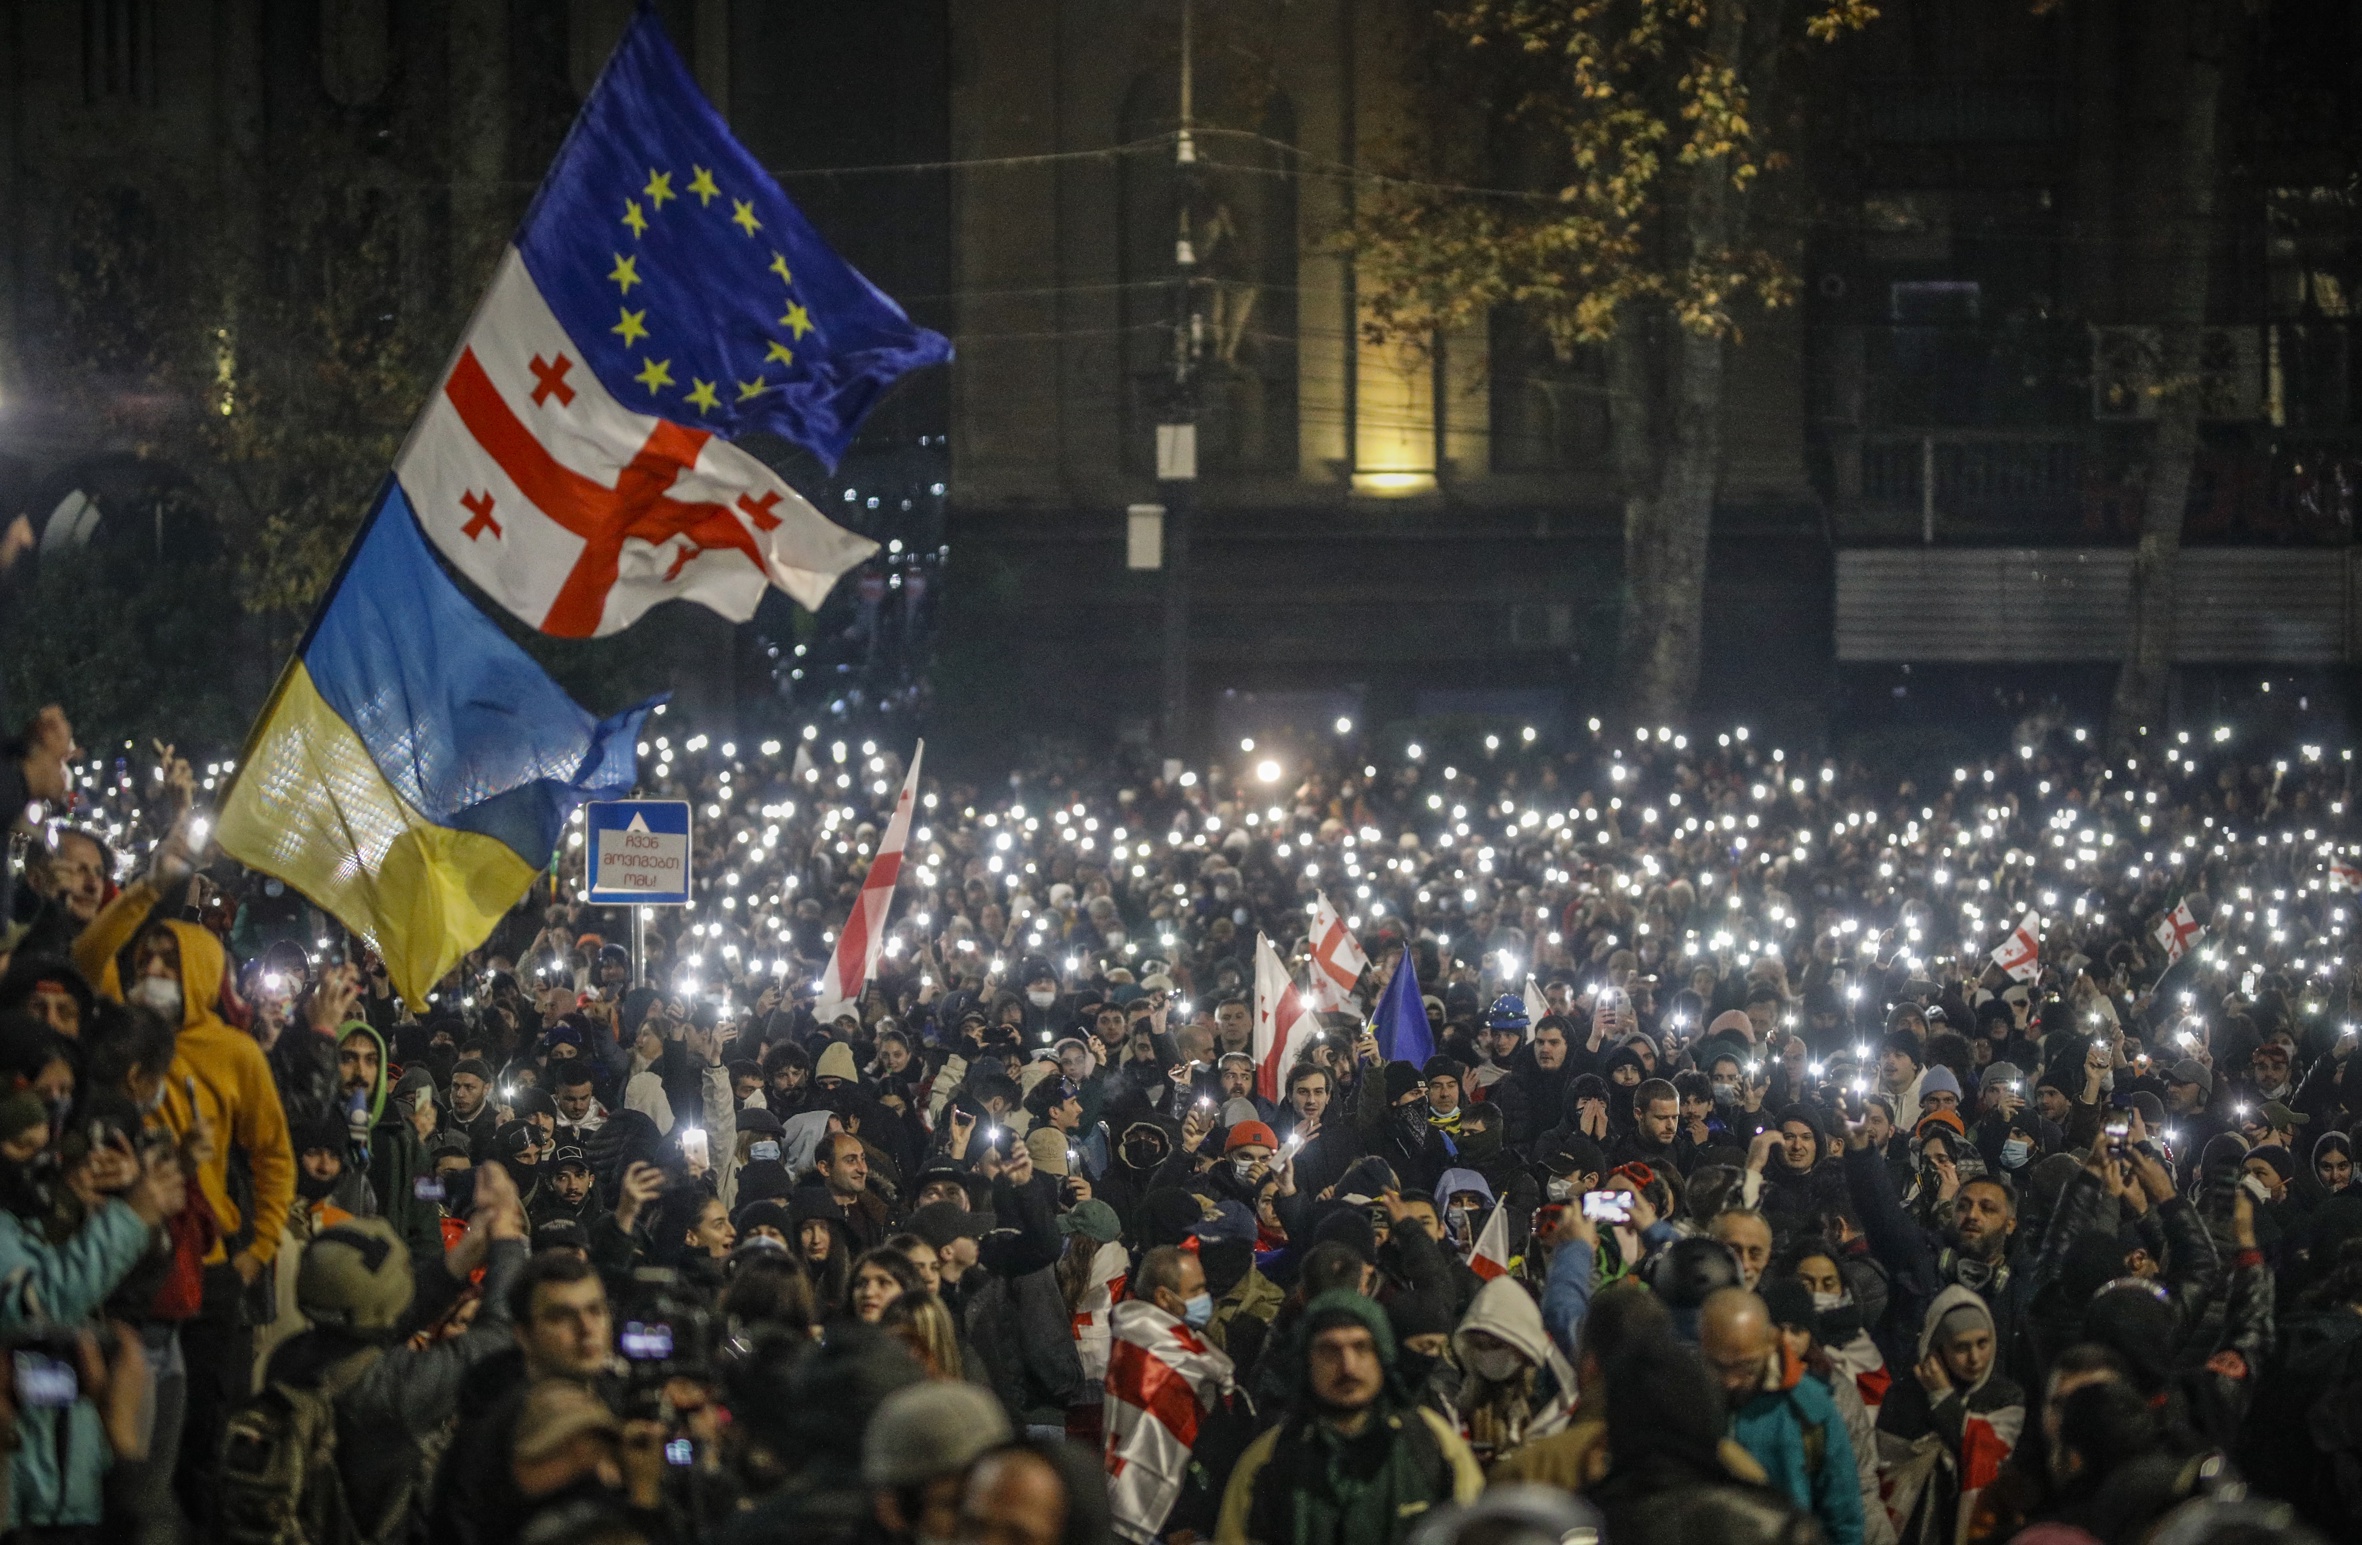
(1946, 1429)
(1354, 1461)
(1390, 1116)
(220, 1079)
(1798, 1325)
(1507, 1382)
(386, 1141)
(1532, 1091)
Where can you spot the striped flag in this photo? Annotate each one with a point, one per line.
(1283, 1022)
(2345, 875)
(1161, 1378)
(1337, 960)
(856, 959)
(1491, 1256)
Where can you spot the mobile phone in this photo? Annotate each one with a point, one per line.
(1607, 1206)
(427, 1188)
(680, 1451)
(2118, 1130)
(43, 1380)
(694, 1148)
(646, 1341)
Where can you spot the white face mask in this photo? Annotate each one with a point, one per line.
(1827, 1301)
(1560, 1190)
(159, 993)
(1498, 1364)
(1040, 997)
(1243, 1168)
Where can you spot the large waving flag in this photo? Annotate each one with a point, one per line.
(1284, 1023)
(662, 299)
(855, 960)
(1401, 1021)
(414, 767)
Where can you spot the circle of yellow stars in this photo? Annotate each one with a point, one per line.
(632, 326)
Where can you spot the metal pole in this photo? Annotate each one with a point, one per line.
(1927, 490)
(1177, 435)
(639, 945)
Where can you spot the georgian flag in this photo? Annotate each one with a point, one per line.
(1283, 1021)
(855, 960)
(2020, 955)
(1162, 1377)
(662, 299)
(1337, 960)
(2345, 875)
(2176, 930)
(1490, 1258)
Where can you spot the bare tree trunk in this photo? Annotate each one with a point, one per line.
(1632, 446)
(2186, 236)
(1667, 611)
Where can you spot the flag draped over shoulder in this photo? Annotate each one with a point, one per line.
(414, 768)
(1161, 1378)
(662, 299)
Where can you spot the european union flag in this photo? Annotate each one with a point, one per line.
(1401, 1020)
(694, 289)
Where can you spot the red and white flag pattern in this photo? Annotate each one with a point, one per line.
(2345, 875)
(1284, 1022)
(2176, 931)
(578, 514)
(1162, 1377)
(1337, 960)
(2020, 955)
(1490, 1259)
(855, 961)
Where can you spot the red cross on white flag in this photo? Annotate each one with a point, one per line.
(2020, 955)
(855, 961)
(1337, 960)
(2345, 875)
(2176, 930)
(1284, 1022)
(577, 513)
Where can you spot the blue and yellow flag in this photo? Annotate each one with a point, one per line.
(414, 768)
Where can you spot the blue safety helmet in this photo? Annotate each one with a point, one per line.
(1507, 1013)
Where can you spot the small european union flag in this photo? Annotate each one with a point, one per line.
(695, 290)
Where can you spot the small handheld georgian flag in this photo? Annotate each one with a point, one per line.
(1491, 1256)
(1337, 959)
(855, 961)
(2020, 955)
(2345, 875)
(2176, 930)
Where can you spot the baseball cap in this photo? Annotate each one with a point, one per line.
(566, 1156)
(2191, 1071)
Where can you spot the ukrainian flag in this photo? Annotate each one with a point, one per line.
(414, 767)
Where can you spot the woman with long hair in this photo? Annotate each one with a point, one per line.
(920, 1322)
(879, 1277)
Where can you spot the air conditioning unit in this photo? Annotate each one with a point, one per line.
(2126, 365)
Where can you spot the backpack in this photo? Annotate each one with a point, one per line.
(278, 1480)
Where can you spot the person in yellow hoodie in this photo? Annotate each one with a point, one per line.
(219, 1081)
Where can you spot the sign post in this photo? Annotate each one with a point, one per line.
(639, 857)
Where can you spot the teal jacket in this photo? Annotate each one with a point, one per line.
(1798, 1437)
(56, 1469)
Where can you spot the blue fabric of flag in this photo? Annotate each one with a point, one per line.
(1401, 1020)
(693, 287)
(466, 726)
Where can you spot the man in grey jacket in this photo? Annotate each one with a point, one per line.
(364, 1297)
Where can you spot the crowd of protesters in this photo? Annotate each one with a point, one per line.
(1755, 1187)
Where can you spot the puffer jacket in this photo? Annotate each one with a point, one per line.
(61, 1452)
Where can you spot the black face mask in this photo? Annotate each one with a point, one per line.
(1144, 1150)
(440, 1060)
(1415, 1368)
(312, 1190)
(1479, 1142)
(1841, 1325)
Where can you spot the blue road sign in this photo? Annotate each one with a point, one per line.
(639, 852)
